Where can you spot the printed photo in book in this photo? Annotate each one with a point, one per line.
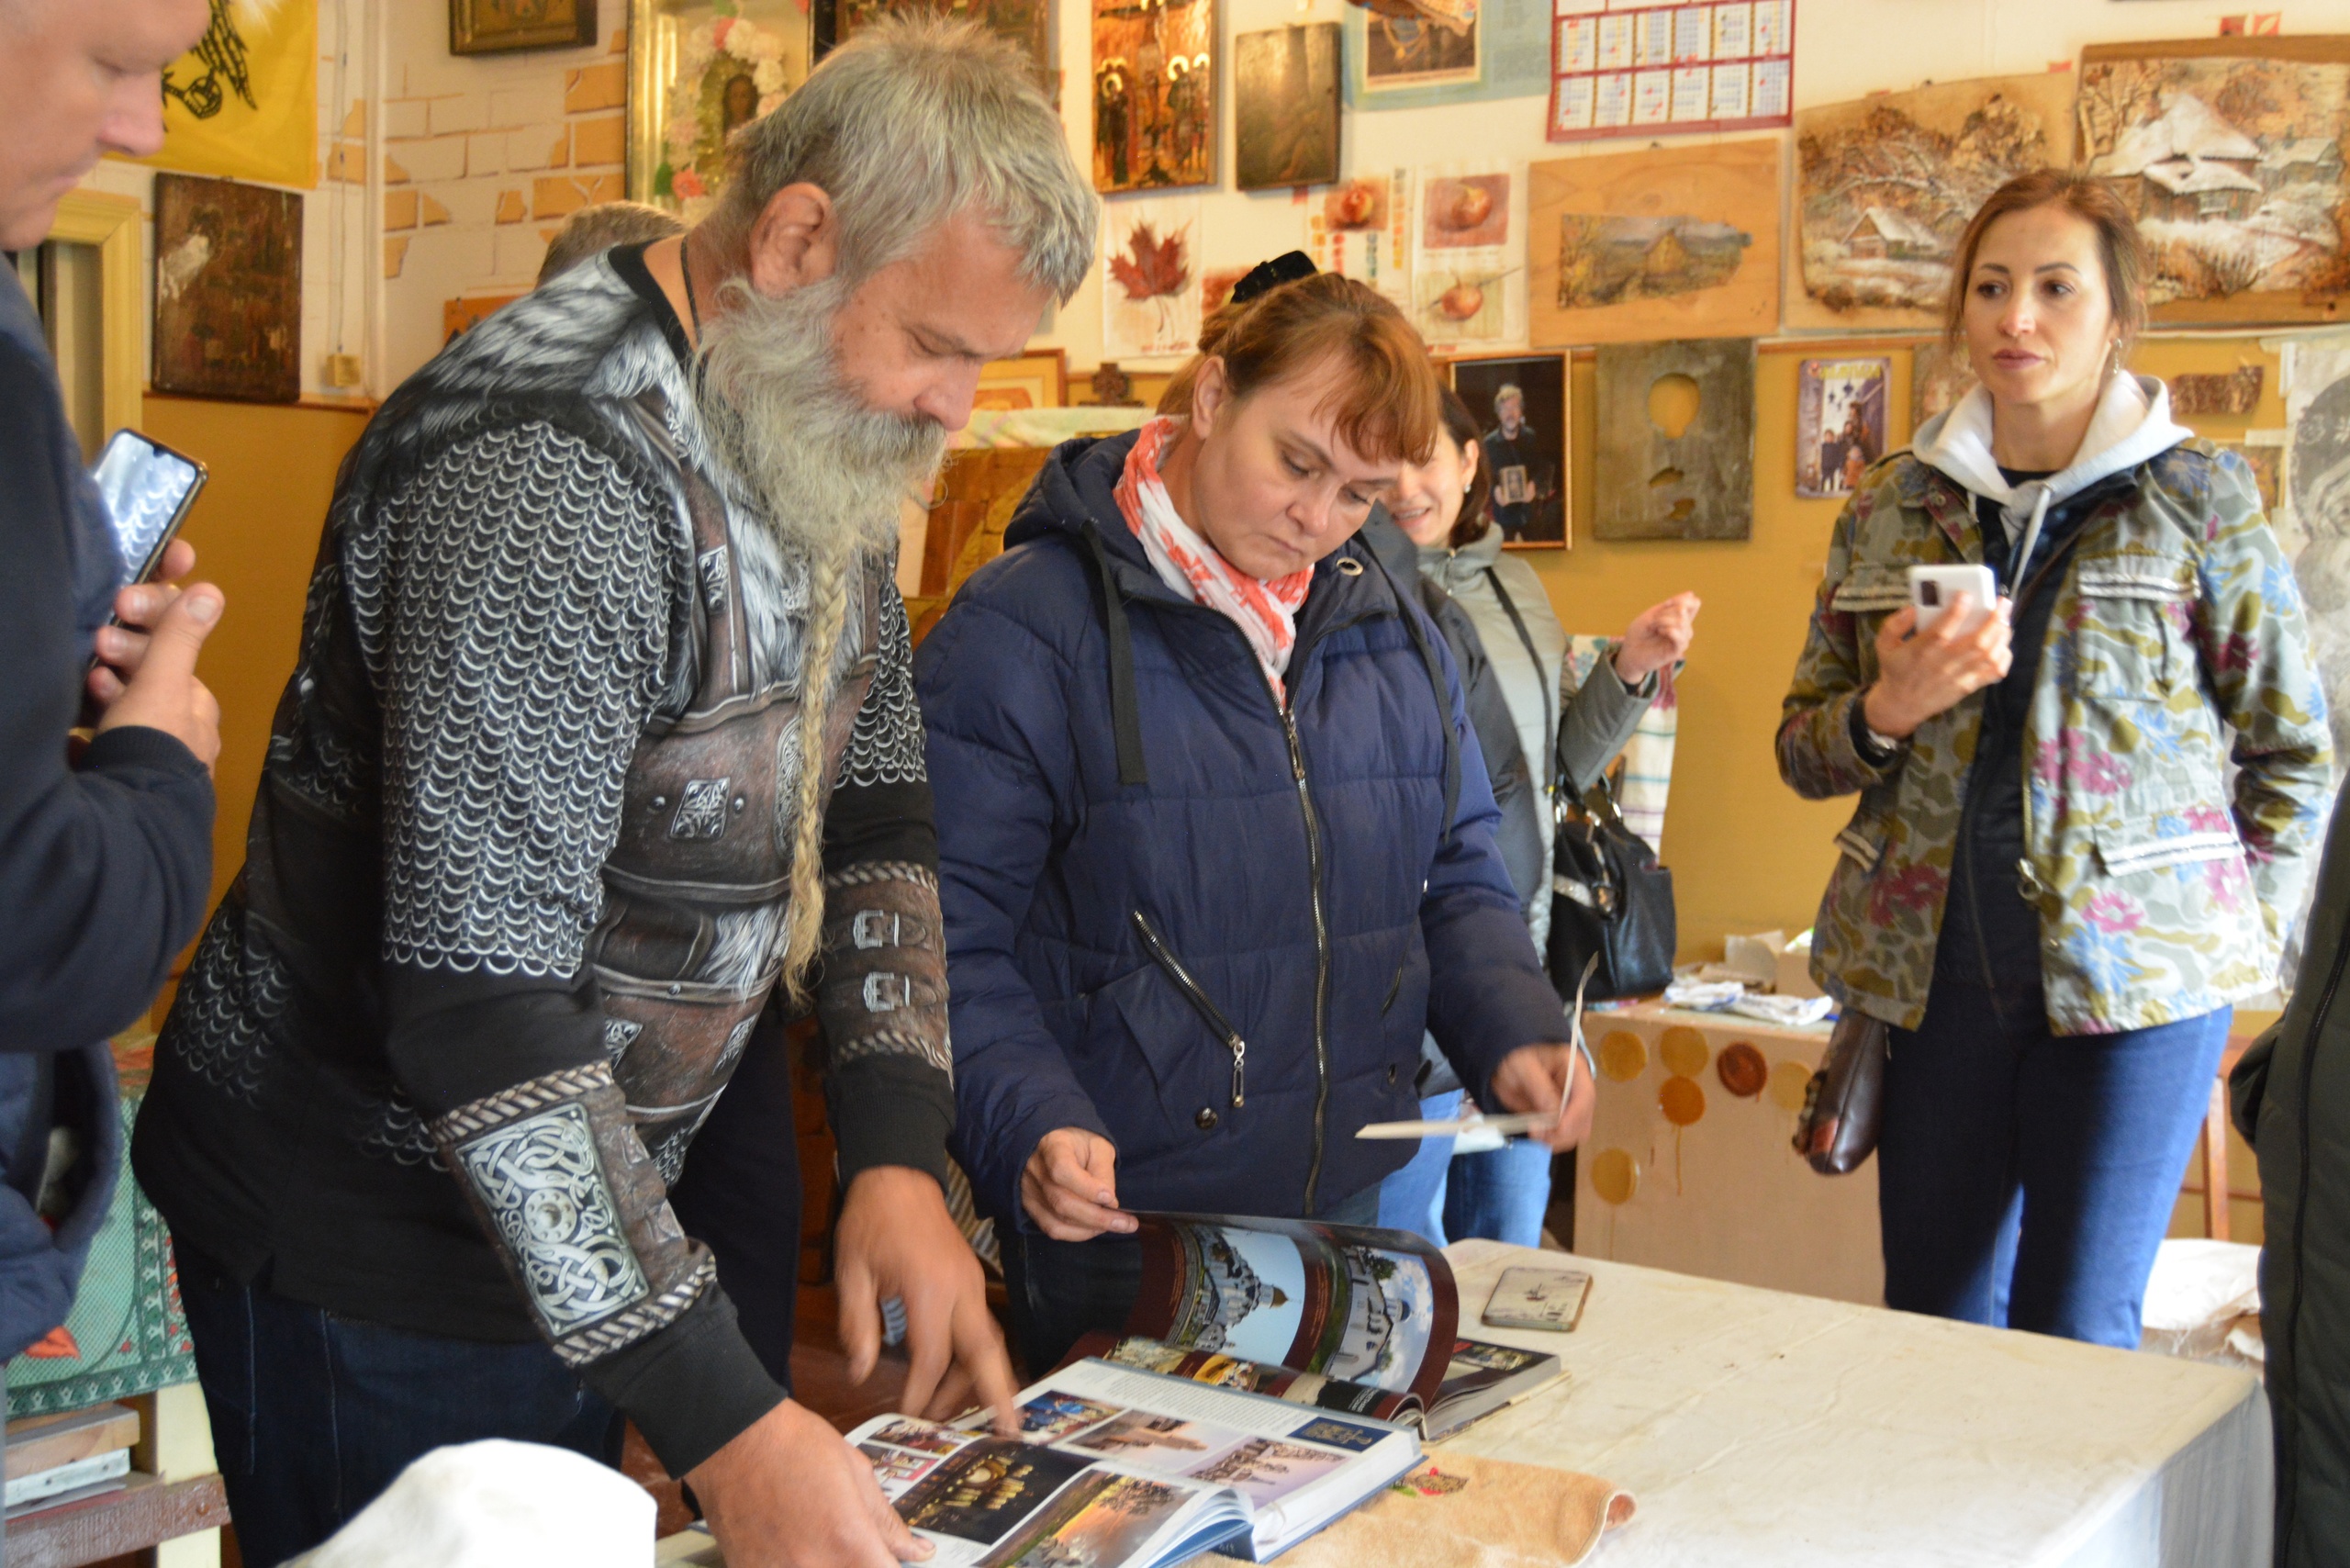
(1341, 1317)
(1119, 1467)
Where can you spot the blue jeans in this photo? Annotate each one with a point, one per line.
(2024, 1180)
(314, 1414)
(1412, 1198)
(1499, 1194)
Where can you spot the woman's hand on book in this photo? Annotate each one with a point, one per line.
(1071, 1186)
(1530, 1079)
(788, 1492)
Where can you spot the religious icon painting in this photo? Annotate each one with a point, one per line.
(228, 290)
(1026, 24)
(1840, 422)
(704, 71)
(1519, 402)
(1154, 93)
(1285, 112)
(503, 27)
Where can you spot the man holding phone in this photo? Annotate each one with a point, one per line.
(105, 859)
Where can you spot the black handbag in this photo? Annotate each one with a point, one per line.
(1608, 897)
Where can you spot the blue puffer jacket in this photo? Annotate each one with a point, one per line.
(1181, 919)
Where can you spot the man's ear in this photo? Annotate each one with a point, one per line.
(795, 240)
(1211, 394)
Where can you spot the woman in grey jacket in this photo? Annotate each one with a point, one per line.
(1566, 737)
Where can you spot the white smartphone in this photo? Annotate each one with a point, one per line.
(1934, 590)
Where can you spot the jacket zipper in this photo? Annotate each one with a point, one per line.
(1321, 954)
(1164, 956)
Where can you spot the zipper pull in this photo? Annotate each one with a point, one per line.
(1239, 1058)
(1296, 753)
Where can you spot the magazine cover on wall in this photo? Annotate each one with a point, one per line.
(1840, 422)
(1421, 42)
(2229, 151)
(1151, 282)
(244, 102)
(1519, 402)
(1885, 187)
(1154, 93)
(1362, 230)
(1419, 54)
(696, 74)
(1468, 273)
(1285, 109)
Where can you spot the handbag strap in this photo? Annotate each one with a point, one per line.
(1541, 682)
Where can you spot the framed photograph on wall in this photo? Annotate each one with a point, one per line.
(505, 26)
(1842, 422)
(1525, 443)
(1037, 379)
(1285, 110)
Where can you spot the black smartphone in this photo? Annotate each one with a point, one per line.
(148, 489)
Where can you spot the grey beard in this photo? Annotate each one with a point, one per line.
(829, 473)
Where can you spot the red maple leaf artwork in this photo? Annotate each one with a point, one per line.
(1151, 268)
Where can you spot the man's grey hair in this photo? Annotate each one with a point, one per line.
(904, 127)
(595, 229)
(1507, 391)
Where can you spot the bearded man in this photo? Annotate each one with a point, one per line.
(603, 733)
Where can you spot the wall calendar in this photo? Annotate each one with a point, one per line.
(1635, 68)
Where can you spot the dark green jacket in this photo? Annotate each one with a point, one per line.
(2292, 1099)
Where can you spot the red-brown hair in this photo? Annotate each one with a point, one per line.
(1461, 429)
(2087, 197)
(1383, 390)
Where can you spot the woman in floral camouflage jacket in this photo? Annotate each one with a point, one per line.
(2049, 890)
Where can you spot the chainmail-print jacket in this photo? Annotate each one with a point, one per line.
(2161, 891)
(517, 876)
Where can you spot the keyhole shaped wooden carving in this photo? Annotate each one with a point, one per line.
(1676, 440)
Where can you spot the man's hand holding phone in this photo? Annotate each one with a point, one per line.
(146, 670)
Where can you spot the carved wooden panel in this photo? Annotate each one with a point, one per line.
(1668, 470)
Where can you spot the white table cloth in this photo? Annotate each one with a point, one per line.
(1768, 1431)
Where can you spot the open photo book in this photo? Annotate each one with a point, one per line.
(1342, 1317)
(1118, 1468)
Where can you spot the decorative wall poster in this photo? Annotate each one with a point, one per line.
(1285, 107)
(1362, 230)
(2237, 392)
(1630, 68)
(1416, 43)
(228, 290)
(1150, 279)
(1467, 280)
(2229, 150)
(1512, 44)
(1524, 442)
(1840, 422)
(1676, 440)
(1939, 377)
(244, 102)
(1885, 186)
(1154, 93)
(1656, 244)
(1025, 24)
(723, 73)
(505, 26)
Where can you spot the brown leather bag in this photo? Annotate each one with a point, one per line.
(1843, 1107)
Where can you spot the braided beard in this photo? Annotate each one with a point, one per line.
(830, 475)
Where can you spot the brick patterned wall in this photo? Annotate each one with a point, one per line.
(484, 156)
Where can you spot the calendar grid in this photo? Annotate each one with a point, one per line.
(1620, 68)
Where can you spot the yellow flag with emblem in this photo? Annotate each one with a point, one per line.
(243, 103)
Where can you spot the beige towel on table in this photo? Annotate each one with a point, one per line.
(1453, 1511)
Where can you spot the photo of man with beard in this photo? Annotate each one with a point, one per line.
(471, 1117)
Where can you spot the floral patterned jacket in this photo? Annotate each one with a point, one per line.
(2177, 619)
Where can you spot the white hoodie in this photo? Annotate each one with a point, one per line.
(2132, 425)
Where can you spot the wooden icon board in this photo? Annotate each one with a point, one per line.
(1655, 484)
(1638, 246)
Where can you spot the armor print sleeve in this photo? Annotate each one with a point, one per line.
(885, 746)
(884, 988)
(514, 604)
(560, 1180)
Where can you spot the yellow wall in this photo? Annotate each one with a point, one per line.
(1745, 854)
(255, 529)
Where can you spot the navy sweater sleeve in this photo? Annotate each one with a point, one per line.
(104, 869)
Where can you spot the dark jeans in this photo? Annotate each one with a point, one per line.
(2024, 1180)
(314, 1414)
(1061, 1291)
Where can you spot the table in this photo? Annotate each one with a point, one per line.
(1783, 1431)
(1717, 1187)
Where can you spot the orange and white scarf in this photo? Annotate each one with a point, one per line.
(1265, 611)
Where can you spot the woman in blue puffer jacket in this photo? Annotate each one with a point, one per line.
(1216, 841)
